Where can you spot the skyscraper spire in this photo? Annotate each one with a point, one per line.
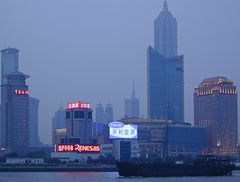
(165, 6)
(133, 90)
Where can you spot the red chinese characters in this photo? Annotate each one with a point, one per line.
(21, 92)
(78, 105)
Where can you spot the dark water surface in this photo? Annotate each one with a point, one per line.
(103, 177)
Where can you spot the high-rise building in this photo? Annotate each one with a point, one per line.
(165, 33)
(165, 71)
(104, 115)
(108, 113)
(79, 123)
(9, 62)
(99, 117)
(15, 111)
(131, 105)
(215, 107)
(33, 122)
(58, 122)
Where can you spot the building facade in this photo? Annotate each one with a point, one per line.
(15, 111)
(184, 139)
(58, 122)
(9, 62)
(131, 105)
(215, 107)
(33, 122)
(104, 115)
(165, 71)
(79, 123)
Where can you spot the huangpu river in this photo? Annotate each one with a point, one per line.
(103, 177)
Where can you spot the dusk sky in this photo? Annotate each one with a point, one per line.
(91, 50)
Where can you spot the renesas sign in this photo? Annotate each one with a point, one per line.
(77, 148)
(79, 105)
(118, 130)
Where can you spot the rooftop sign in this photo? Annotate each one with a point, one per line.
(79, 105)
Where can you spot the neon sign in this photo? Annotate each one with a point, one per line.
(78, 148)
(119, 130)
(79, 105)
(21, 92)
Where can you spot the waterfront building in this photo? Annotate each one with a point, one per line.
(131, 105)
(151, 136)
(165, 71)
(125, 149)
(79, 123)
(60, 136)
(184, 139)
(15, 111)
(33, 122)
(58, 122)
(100, 133)
(215, 107)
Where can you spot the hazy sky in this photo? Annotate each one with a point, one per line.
(91, 50)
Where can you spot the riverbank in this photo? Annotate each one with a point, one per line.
(110, 168)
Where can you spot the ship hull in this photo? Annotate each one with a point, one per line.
(170, 170)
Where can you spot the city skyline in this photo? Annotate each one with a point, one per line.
(196, 46)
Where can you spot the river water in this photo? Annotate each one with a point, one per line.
(103, 177)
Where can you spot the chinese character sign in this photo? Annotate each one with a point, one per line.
(21, 92)
(120, 130)
(78, 148)
(78, 105)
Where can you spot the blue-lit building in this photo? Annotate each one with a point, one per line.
(184, 139)
(165, 71)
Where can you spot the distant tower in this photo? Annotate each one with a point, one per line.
(165, 71)
(15, 111)
(33, 122)
(108, 113)
(58, 122)
(215, 107)
(132, 105)
(99, 113)
(9, 62)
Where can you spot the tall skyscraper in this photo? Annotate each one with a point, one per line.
(58, 122)
(104, 115)
(33, 122)
(108, 113)
(15, 111)
(165, 71)
(99, 117)
(215, 107)
(165, 33)
(9, 62)
(131, 105)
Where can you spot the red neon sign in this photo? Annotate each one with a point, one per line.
(21, 92)
(78, 105)
(78, 148)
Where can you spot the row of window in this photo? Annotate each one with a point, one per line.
(78, 115)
